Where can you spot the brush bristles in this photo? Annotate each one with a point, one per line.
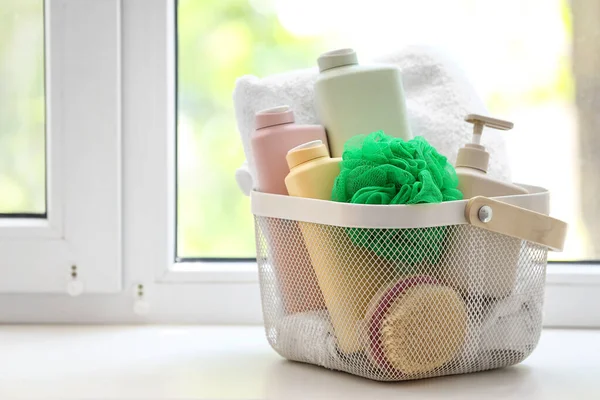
(424, 329)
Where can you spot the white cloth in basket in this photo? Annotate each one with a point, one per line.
(502, 330)
(308, 337)
(438, 98)
(511, 332)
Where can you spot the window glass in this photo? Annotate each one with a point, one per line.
(22, 108)
(533, 62)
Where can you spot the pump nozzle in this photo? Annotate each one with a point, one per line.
(479, 121)
(473, 155)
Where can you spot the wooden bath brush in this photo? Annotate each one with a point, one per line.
(415, 325)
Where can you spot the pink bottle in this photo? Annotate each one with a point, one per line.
(276, 134)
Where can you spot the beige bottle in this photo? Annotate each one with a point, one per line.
(486, 266)
(347, 279)
(312, 171)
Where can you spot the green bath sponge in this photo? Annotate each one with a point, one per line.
(380, 169)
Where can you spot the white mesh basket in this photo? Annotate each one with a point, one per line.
(404, 292)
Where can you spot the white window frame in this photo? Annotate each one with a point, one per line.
(82, 231)
(204, 292)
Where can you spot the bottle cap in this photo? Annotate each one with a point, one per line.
(473, 155)
(306, 152)
(337, 58)
(274, 116)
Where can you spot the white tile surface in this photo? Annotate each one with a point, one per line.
(161, 362)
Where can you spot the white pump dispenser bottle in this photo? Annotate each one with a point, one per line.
(472, 163)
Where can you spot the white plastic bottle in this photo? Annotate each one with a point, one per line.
(479, 265)
(353, 99)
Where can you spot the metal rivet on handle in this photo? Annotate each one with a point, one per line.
(485, 214)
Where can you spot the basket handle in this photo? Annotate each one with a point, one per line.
(510, 220)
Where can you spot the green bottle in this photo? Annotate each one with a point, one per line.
(353, 99)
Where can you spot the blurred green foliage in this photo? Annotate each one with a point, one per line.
(22, 107)
(218, 41)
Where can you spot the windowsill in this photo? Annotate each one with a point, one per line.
(573, 274)
(206, 272)
(128, 362)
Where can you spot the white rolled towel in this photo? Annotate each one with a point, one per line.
(308, 337)
(438, 97)
(511, 333)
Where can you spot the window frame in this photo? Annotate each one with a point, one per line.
(200, 292)
(81, 231)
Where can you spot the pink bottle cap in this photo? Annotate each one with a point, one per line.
(274, 116)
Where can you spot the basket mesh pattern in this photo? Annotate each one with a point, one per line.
(460, 299)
